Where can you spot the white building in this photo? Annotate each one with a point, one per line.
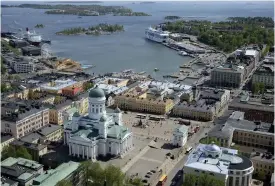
(98, 133)
(180, 136)
(222, 163)
(23, 67)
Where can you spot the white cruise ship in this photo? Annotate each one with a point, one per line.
(156, 35)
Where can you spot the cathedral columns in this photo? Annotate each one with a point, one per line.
(83, 152)
(77, 150)
(70, 149)
(87, 152)
(91, 151)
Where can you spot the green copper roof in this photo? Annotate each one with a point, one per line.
(96, 93)
(117, 132)
(51, 177)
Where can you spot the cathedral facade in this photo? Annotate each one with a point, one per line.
(99, 133)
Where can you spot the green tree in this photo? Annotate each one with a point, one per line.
(261, 88)
(11, 151)
(95, 175)
(23, 153)
(88, 85)
(201, 180)
(189, 180)
(255, 88)
(64, 183)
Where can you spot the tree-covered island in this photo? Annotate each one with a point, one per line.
(227, 35)
(81, 10)
(100, 29)
(39, 26)
(172, 17)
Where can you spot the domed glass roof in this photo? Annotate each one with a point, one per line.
(96, 93)
(212, 148)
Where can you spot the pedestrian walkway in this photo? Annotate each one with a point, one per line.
(136, 158)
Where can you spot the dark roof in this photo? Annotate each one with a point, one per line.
(246, 163)
(5, 137)
(242, 105)
(11, 171)
(96, 93)
(28, 145)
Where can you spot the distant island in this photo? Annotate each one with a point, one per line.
(100, 29)
(39, 26)
(227, 35)
(172, 17)
(75, 2)
(81, 10)
(147, 2)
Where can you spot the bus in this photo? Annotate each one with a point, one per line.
(162, 180)
(156, 118)
(141, 116)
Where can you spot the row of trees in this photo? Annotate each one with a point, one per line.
(201, 180)
(94, 175)
(16, 152)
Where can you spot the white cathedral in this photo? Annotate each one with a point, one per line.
(99, 133)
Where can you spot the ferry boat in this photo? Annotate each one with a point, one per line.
(156, 35)
(33, 38)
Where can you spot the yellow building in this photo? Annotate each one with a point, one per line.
(263, 163)
(56, 112)
(82, 104)
(5, 141)
(141, 103)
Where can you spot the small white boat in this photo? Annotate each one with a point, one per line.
(183, 53)
(156, 69)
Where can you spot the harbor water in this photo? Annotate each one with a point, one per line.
(129, 49)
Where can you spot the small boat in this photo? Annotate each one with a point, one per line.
(156, 69)
(183, 53)
(143, 72)
(79, 17)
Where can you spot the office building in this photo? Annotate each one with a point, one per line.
(99, 133)
(222, 163)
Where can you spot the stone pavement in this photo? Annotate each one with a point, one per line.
(137, 157)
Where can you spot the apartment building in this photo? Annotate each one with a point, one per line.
(240, 131)
(264, 74)
(48, 133)
(81, 102)
(22, 91)
(18, 119)
(263, 163)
